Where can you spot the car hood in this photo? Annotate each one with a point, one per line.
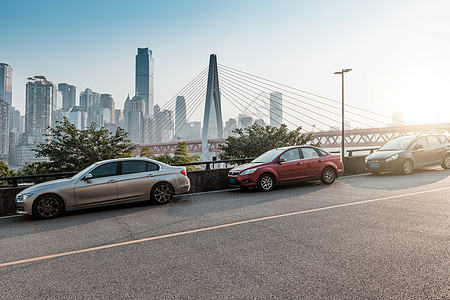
(383, 154)
(49, 185)
(247, 166)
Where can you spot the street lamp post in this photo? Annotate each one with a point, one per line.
(342, 72)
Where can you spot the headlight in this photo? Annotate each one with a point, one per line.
(391, 158)
(23, 197)
(249, 171)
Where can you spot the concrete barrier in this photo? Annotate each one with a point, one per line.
(201, 181)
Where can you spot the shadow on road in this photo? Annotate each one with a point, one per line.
(390, 181)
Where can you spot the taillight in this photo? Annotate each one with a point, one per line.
(183, 172)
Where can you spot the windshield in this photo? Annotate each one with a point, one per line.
(268, 156)
(401, 143)
(79, 174)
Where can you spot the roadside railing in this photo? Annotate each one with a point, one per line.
(350, 152)
(214, 162)
(15, 180)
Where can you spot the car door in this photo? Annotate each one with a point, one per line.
(437, 150)
(136, 179)
(420, 152)
(102, 187)
(292, 167)
(312, 162)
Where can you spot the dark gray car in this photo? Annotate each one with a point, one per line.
(104, 183)
(406, 153)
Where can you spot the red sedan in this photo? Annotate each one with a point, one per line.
(287, 165)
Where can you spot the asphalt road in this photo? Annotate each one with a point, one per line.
(364, 237)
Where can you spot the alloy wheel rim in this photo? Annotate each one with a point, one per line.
(447, 161)
(266, 182)
(48, 207)
(329, 175)
(407, 166)
(163, 193)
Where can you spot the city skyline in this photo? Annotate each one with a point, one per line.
(398, 51)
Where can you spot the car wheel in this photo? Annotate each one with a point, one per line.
(328, 175)
(266, 183)
(407, 167)
(446, 162)
(161, 193)
(47, 207)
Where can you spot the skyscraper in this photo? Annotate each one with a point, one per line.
(6, 83)
(4, 128)
(276, 109)
(69, 94)
(90, 101)
(180, 118)
(135, 119)
(38, 108)
(144, 78)
(107, 102)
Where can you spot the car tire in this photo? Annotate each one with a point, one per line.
(328, 175)
(266, 182)
(407, 167)
(47, 207)
(446, 162)
(161, 193)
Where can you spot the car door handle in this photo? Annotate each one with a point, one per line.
(299, 164)
(150, 175)
(111, 181)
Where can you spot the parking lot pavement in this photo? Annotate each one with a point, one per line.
(362, 237)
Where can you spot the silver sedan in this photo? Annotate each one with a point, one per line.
(104, 183)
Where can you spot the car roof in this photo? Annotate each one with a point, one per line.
(129, 158)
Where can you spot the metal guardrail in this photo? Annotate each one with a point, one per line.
(213, 162)
(350, 152)
(15, 179)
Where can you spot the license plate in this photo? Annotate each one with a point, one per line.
(374, 166)
(233, 181)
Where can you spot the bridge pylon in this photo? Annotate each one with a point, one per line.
(212, 117)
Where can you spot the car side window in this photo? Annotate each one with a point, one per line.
(105, 170)
(322, 153)
(290, 155)
(134, 166)
(309, 152)
(152, 167)
(422, 141)
(433, 141)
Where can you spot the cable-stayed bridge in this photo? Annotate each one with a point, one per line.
(255, 99)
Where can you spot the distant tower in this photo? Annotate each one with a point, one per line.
(135, 119)
(144, 78)
(108, 106)
(69, 95)
(4, 128)
(38, 108)
(6, 83)
(276, 109)
(212, 118)
(90, 101)
(180, 118)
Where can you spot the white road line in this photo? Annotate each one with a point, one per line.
(17, 262)
(13, 216)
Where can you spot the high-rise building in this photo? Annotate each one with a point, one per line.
(38, 108)
(6, 83)
(230, 125)
(195, 130)
(180, 118)
(135, 119)
(4, 128)
(276, 109)
(90, 101)
(244, 121)
(107, 102)
(144, 78)
(69, 95)
(78, 117)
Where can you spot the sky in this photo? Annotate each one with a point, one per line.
(399, 51)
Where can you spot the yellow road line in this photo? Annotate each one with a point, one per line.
(211, 228)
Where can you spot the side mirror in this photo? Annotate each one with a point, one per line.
(88, 176)
(281, 160)
(417, 147)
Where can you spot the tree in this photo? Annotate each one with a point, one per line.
(70, 149)
(5, 171)
(256, 139)
(181, 156)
